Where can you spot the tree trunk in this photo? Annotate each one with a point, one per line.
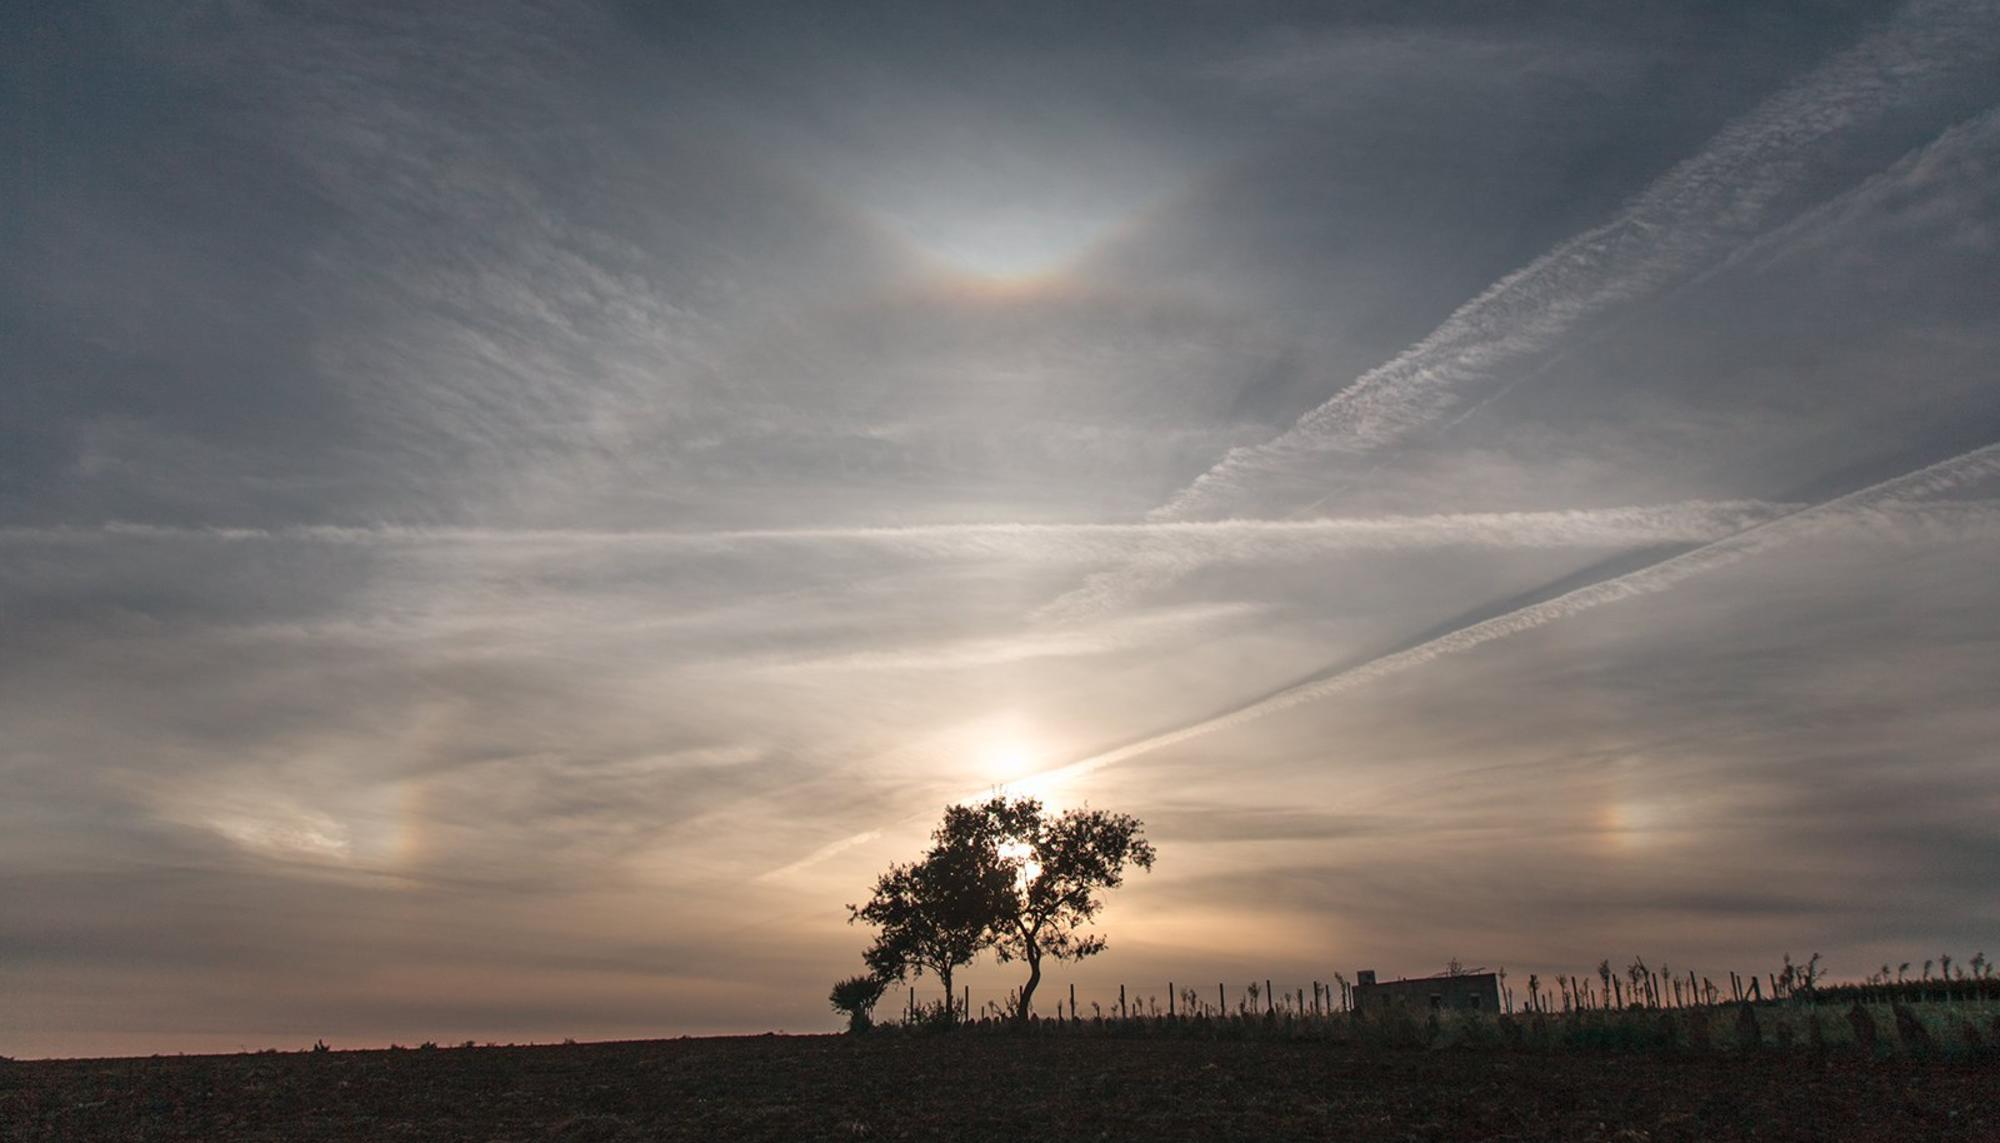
(1028, 989)
(944, 974)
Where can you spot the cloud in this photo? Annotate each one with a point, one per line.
(1692, 217)
(1194, 541)
(1842, 512)
(546, 493)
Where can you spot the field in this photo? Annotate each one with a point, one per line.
(973, 1086)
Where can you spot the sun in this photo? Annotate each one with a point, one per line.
(1003, 761)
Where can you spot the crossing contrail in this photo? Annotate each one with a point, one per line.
(1877, 502)
(1889, 505)
(1690, 218)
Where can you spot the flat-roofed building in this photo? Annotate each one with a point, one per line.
(1465, 991)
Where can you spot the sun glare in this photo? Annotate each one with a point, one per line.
(1021, 851)
(1003, 762)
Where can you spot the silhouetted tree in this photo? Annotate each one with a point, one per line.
(1055, 868)
(936, 913)
(856, 996)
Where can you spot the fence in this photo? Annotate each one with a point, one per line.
(1638, 1010)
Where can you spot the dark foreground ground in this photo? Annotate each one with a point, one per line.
(988, 1087)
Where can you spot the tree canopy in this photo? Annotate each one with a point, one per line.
(1005, 875)
(935, 913)
(1057, 869)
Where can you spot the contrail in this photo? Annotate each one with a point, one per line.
(1691, 217)
(1194, 541)
(1883, 505)
(1189, 541)
(1875, 501)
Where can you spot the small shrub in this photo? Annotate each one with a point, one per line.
(1863, 1026)
(319, 1047)
(1749, 1037)
(1968, 1034)
(856, 997)
(1699, 1040)
(1911, 1031)
(1666, 1032)
(1475, 1031)
(934, 1018)
(1784, 1034)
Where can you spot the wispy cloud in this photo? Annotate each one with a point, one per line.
(1887, 509)
(1863, 507)
(1690, 218)
(1891, 508)
(609, 509)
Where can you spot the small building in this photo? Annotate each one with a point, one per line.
(1465, 991)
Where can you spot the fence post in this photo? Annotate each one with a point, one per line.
(910, 1013)
(1270, 999)
(1221, 1000)
(967, 1006)
(1170, 998)
(1121, 1002)
(1072, 1001)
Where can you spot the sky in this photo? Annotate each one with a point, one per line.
(512, 514)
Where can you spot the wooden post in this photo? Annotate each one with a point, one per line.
(967, 1006)
(1221, 1000)
(1072, 1000)
(911, 1011)
(1270, 998)
(1302, 1001)
(1121, 1002)
(1170, 998)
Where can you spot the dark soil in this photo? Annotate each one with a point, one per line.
(980, 1087)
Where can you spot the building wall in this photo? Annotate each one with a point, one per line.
(1473, 992)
